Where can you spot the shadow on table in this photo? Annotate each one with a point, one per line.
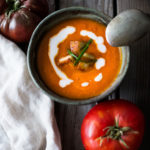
(136, 85)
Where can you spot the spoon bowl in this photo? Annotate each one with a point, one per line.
(127, 27)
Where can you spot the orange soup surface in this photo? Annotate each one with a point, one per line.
(70, 80)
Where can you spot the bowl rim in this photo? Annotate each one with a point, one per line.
(54, 96)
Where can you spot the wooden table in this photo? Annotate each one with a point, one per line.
(135, 87)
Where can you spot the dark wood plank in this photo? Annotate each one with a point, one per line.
(105, 6)
(69, 118)
(52, 5)
(136, 84)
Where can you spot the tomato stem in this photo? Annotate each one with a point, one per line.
(116, 132)
(13, 5)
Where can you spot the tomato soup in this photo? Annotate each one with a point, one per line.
(75, 61)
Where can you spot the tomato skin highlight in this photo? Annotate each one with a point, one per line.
(104, 115)
(23, 20)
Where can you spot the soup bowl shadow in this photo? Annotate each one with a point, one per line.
(50, 21)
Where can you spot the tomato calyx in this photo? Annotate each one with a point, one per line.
(13, 5)
(116, 132)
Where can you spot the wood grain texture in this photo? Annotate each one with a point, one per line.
(52, 5)
(69, 118)
(136, 85)
(105, 6)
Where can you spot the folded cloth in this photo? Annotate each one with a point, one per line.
(27, 119)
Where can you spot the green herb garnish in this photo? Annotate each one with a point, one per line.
(75, 57)
(83, 51)
(72, 54)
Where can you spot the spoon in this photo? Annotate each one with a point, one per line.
(127, 27)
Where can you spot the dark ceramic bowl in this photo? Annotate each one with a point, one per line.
(50, 21)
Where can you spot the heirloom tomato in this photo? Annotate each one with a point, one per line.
(18, 18)
(113, 125)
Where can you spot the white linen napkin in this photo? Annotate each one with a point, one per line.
(27, 119)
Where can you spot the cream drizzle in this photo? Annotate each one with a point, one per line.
(98, 40)
(100, 63)
(53, 50)
(84, 84)
(98, 78)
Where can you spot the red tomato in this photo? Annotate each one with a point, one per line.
(113, 125)
(18, 18)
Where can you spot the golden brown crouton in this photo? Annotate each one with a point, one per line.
(83, 66)
(76, 46)
(65, 60)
